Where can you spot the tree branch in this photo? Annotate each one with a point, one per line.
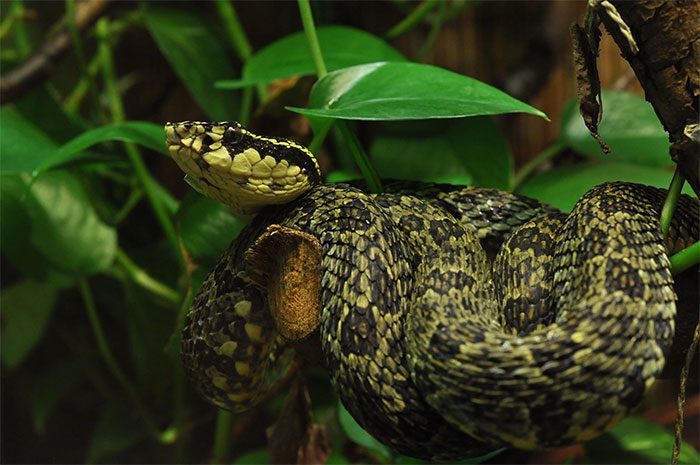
(38, 66)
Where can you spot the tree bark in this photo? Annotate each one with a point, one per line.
(667, 34)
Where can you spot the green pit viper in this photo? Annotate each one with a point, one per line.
(455, 319)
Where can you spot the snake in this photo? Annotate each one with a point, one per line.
(454, 320)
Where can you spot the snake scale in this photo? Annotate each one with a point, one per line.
(455, 319)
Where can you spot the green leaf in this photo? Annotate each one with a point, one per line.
(290, 56)
(253, 457)
(358, 435)
(65, 228)
(403, 91)
(462, 151)
(196, 55)
(15, 242)
(115, 432)
(629, 126)
(53, 385)
(44, 109)
(406, 460)
(23, 145)
(635, 440)
(562, 187)
(206, 227)
(26, 312)
(140, 132)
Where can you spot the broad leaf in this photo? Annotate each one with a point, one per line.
(635, 440)
(206, 227)
(629, 126)
(196, 54)
(402, 91)
(15, 242)
(26, 312)
(290, 56)
(462, 151)
(562, 187)
(358, 435)
(116, 431)
(139, 132)
(23, 146)
(53, 385)
(65, 228)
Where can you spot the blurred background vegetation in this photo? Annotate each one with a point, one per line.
(103, 244)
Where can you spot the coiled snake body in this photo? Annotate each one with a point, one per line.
(455, 320)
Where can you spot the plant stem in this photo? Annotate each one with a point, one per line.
(108, 356)
(133, 200)
(674, 192)
(533, 164)
(412, 19)
(240, 42)
(307, 20)
(118, 116)
(684, 259)
(21, 37)
(143, 279)
(374, 184)
(72, 102)
(434, 31)
(318, 139)
(222, 436)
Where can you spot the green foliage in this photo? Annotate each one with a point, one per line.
(635, 440)
(401, 91)
(341, 47)
(88, 220)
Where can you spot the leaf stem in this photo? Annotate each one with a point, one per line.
(240, 42)
(143, 279)
(374, 184)
(20, 31)
(118, 115)
(534, 163)
(222, 437)
(434, 31)
(108, 356)
(674, 192)
(411, 19)
(684, 259)
(307, 20)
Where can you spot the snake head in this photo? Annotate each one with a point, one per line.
(244, 171)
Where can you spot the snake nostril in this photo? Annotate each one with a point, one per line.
(207, 140)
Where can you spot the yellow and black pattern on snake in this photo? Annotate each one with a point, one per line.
(458, 320)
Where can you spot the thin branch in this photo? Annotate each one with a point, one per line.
(38, 66)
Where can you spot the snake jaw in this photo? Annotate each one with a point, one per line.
(244, 171)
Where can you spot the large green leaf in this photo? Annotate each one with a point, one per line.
(53, 385)
(629, 126)
(290, 56)
(26, 312)
(116, 431)
(196, 54)
(402, 91)
(64, 226)
(358, 435)
(635, 440)
(15, 242)
(139, 132)
(23, 146)
(562, 187)
(206, 227)
(462, 151)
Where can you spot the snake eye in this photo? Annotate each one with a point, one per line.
(231, 136)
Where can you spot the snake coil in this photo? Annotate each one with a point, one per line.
(455, 320)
